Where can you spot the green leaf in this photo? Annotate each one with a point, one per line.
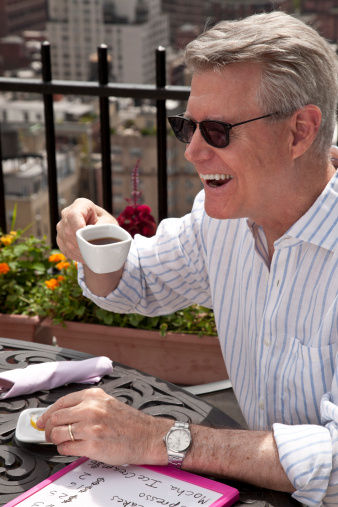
(19, 249)
(135, 319)
(39, 267)
(14, 217)
(163, 329)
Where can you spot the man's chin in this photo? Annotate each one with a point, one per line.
(213, 212)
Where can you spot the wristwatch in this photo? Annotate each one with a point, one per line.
(177, 441)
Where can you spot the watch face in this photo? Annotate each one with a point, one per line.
(178, 440)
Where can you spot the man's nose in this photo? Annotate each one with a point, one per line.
(198, 149)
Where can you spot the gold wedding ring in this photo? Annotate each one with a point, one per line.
(70, 432)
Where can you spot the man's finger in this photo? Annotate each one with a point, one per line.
(67, 401)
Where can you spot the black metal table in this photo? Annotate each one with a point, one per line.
(24, 465)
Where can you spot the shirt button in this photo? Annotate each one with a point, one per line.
(267, 342)
(261, 404)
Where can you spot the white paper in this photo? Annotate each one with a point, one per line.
(95, 484)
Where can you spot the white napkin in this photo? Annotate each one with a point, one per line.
(42, 376)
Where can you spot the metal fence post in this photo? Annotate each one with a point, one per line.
(107, 190)
(3, 224)
(50, 144)
(161, 137)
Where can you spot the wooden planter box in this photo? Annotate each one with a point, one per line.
(20, 327)
(179, 358)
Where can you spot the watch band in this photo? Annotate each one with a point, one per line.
(180, 425)
(175, 458)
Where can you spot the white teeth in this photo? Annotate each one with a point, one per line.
(215, 176)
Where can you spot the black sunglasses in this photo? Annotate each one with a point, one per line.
(215, 133)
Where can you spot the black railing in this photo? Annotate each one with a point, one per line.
(47, 87)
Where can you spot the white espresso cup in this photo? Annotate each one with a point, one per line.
(104, 247)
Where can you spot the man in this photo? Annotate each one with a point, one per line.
(260, 247)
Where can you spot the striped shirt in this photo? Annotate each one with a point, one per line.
(277, 323)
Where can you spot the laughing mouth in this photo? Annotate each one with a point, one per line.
(216, 180)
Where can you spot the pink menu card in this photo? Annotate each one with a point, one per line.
(91, 483)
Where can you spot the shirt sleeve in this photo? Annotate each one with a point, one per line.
(164, 273)
(309, 454)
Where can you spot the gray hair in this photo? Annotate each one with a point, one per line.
(299, 66)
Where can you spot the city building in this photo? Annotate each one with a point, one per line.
(32, 111)
(131, 29)
(185, 34)
(25, 170)
(235, 9)
(19, 15)
(22, 125)
(182, 13)
(13, 53)
(324, 15)
(26, 189)
(203, 14)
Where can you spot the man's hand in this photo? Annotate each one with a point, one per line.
(105, 429)
(80, 213)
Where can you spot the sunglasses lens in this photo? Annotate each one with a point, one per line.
(183, 128)
(215, 133)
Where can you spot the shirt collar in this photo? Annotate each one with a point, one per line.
(319, 224)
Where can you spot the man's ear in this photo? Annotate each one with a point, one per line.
(305, 123)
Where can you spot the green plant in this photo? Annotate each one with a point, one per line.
(89, 117)
(23, 263)
(148, 131)
(36, 280)
(129, 124)
(62, 300)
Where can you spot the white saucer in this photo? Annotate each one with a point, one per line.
(25, 432)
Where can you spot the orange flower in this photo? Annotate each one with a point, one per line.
(52, 283)
(56, 257)
(60, 278)
(62, 265)
(4, 268)
(13, 233)
(7, 239)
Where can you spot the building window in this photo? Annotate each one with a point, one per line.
(117, 182)
(135, 152)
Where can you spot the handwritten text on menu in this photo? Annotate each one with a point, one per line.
(95, 484)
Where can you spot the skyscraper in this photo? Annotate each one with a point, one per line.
(21, 15)
(132, 29)
(181, 13)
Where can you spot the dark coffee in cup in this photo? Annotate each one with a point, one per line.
(104, 241)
